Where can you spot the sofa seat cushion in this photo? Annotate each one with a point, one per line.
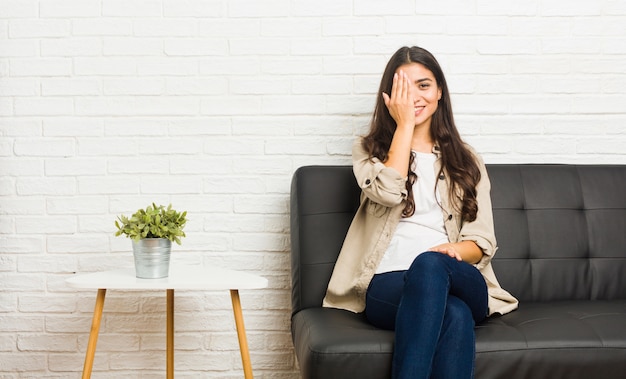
(569, 339)
(334, 343)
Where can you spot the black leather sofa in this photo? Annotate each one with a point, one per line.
(561, 232)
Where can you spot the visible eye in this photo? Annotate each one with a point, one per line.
(424, 85)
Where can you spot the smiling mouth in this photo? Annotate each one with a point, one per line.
(419, 109)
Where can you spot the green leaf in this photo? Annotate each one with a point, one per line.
(153, 221)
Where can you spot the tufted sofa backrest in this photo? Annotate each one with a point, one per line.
(561, 230)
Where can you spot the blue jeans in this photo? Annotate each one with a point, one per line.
(433, 307)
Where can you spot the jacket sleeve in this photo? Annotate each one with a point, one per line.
(481, 230)
(381, 184)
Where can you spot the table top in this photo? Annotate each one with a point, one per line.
(181, 277)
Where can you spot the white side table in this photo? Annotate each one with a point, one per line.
(181, 277)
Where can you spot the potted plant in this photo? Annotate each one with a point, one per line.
(152, 231)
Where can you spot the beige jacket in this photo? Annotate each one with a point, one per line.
(382, 201)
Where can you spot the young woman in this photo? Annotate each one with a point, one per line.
(417, 255)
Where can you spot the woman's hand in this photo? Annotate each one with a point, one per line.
(447, 248)
(466, 251)
(402, 110)
(400, 103)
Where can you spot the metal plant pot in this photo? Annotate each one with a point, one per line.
(152, 257)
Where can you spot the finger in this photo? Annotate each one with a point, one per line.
(410, 90)
(404, 85)
(449, 252)
(394, 86)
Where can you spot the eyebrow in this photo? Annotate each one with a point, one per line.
(423, 80)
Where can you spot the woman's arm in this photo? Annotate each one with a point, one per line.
(466, 251)
(381, 184)
(401, 108)
(476, 240)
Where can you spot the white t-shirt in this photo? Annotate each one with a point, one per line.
(416, 234)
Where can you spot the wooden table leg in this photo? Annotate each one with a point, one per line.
(93, 334)
(241, 334)
(170, 334)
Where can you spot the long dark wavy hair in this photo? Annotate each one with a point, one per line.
(457, 160)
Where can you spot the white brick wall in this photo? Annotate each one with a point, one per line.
(107, 105)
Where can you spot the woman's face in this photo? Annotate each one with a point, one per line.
(424, 90)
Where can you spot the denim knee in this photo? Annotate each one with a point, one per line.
(458, 316)
(428, 261)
